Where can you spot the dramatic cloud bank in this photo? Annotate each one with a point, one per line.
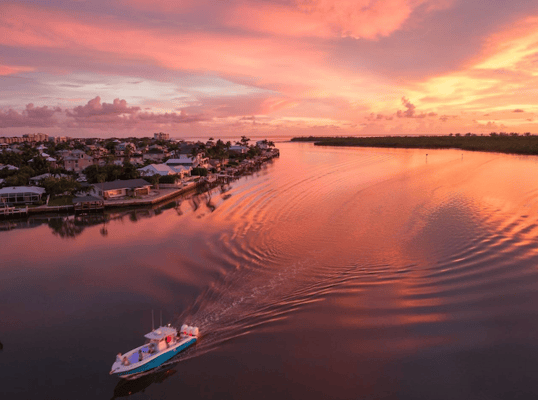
(30, 117)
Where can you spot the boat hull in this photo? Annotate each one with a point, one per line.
(155, 362)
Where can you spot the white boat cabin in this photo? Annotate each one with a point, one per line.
(161, 338)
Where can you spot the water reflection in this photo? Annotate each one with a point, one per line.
(126, 388)
(72, 226)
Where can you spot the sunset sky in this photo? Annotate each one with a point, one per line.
(268, 67)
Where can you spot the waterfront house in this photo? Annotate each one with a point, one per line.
(237, 149)
(18, 195)
(263, 144)
(121, 188)
(164, 169)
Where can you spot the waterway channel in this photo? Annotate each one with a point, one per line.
(330, 273)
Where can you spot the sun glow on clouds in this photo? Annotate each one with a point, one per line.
(262, 64)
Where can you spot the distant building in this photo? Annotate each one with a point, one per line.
(58, 139)
(77, 160)
(161, 136)
(35, 137)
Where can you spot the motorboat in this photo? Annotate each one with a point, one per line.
(161, 345)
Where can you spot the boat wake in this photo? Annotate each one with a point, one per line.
(246, 300)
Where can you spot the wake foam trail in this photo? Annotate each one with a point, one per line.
(247, 299)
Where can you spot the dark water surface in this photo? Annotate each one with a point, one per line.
(332, 273)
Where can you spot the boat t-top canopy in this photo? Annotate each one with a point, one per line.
(161, 333)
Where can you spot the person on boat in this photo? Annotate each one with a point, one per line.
(140, 356)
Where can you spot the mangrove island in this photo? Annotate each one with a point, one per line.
(502, 142)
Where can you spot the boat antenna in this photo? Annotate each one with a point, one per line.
(152, 323)
(161, 317)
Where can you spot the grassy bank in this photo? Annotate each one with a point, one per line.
(501, 143)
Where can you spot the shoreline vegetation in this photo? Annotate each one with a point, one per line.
(511, 143)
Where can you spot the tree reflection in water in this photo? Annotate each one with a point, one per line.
(71, 226)
(65, 227)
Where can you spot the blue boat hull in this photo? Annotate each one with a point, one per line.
(154, 363)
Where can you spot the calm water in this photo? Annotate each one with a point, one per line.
(331, 273)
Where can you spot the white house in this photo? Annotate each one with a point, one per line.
(186, 161)
(164, 169)
(156, 169)
(263, 144)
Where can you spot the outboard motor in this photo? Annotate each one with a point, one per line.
(184, 329)
(195, 331)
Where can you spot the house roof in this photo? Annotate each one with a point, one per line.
(182, 160)
(156, 167)
(22, 189)
(47, 175)
(122, 184)
(163, 169)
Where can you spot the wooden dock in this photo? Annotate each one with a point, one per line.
(13, 212)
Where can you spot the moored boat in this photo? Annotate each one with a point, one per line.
(162, 344)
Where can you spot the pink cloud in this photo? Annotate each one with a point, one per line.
(31, 117)
(10, 69)
(164, 5)
(273, 64)
(94, 108)
(325, 18)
